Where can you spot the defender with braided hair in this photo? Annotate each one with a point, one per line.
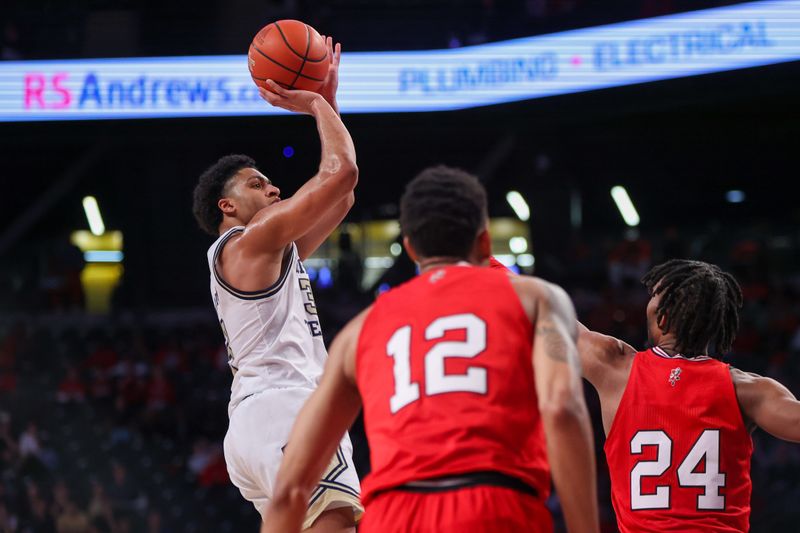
(677, 419)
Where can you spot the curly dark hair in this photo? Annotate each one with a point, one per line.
(701, 304)
(442, 210)
(210, 189)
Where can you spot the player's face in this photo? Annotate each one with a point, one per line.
(252, 192)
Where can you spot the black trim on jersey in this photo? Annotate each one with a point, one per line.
(252, 295)
(470, 479)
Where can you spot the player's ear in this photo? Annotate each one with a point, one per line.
(661, 322)
(226, 206)
(412, 253)
(483, 247)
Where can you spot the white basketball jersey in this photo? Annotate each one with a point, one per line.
(273, 336)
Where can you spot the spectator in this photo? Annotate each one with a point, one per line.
(160, 392)
(100, 386)
(71, 389)
(9, 450)
(30, 449)
(154, 523)
(99, 511)
(123, 495)
(201, 456)
(8, 521)
(40, 519)
(72, 519)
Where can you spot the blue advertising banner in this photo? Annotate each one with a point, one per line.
(686, 44)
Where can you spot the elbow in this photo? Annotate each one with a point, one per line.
(563, 408)
(291, 495)
(349, 174)
(350, 200)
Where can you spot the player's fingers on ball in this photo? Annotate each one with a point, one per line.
(276, 88)
(270, 96)
(337, 52)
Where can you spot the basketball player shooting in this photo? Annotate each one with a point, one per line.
(469, 381)
(265, 306)
(678, 420)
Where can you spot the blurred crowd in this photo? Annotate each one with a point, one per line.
(113, 427)
(115, 424)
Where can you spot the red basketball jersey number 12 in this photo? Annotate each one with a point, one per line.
(436, 381)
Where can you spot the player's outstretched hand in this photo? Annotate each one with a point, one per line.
(295, 100)
(331, 83)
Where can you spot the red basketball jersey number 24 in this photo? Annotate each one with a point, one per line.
(706, 447)
(436, 381)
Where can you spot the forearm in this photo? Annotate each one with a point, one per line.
(570, 448)
(338, 151)
(299, 474)
(308, 243)
(781, 418)
(287, 511)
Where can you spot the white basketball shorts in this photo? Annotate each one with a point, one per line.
(257, 433)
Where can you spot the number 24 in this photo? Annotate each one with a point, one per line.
(707, 445)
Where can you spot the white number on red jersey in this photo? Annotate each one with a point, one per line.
(707, 446)
(436, 381)
(659, 500)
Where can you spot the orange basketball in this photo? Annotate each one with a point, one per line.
(291, 53)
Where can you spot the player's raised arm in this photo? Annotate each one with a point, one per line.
(570, 446)
(325, 224)
(768, 404)
(316, 433)
(604, 359)
(287, 221)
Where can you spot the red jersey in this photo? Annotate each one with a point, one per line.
(678, 450)
(445, 373)
(494, 263)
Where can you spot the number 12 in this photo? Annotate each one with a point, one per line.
(436, 381)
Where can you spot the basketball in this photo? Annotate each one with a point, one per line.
(291, 53)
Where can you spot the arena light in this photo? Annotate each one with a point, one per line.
(378, 262)
(103, 256)
(519, 205)
(92, 211)
(625, 205)
(395, 249)
(526, 260)
(506, 260)
(735, 196)
(518, 245)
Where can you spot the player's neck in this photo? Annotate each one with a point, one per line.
(229, 223)
(431, 263)
(668, 345)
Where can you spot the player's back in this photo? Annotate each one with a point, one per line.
(445, 372)
(678, 450)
